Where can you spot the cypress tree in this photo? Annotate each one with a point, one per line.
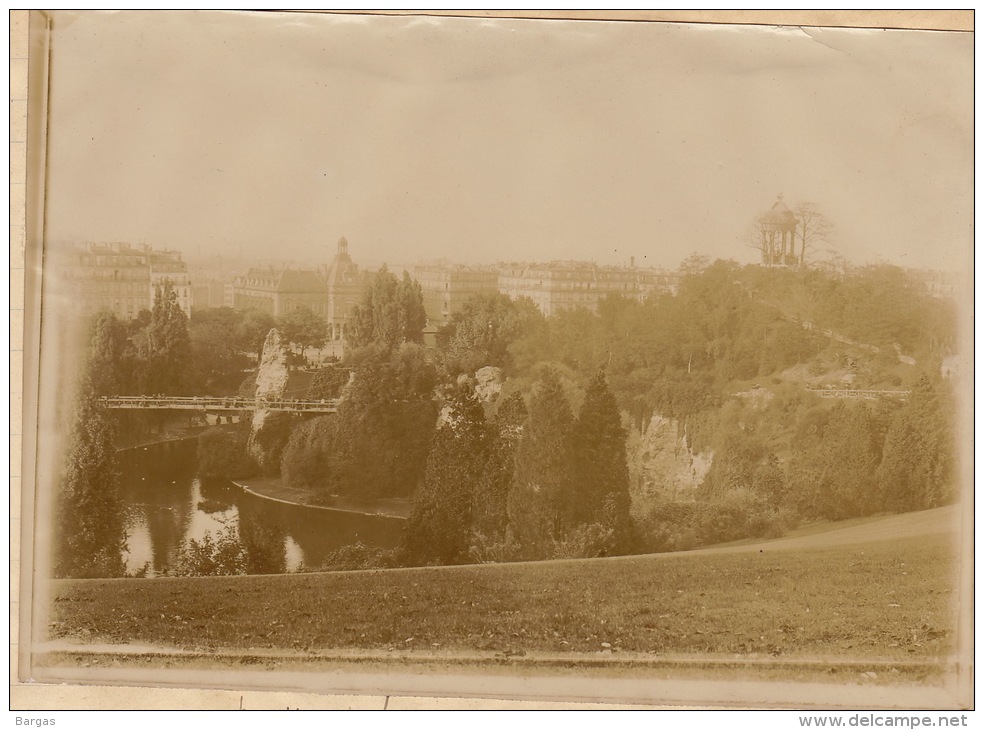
(918, 461)
(602, 476)
(490, 516)
(391, 312)
(89, 511)
(165, 345)
(108, 355)
(541, 498)
(439, 529)
(834, 476)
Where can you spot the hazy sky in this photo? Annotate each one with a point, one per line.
(486, 140)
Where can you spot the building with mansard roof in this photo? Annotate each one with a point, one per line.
(278, 291)
(446, 287)
(118, 277)
(562, 285)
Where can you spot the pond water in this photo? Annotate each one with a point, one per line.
(167, 506)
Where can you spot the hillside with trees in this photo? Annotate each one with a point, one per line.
(690, 418)
(734, 360)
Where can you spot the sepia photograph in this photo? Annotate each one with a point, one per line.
(586, 360)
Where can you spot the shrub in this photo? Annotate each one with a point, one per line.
(328, 382)
(270, 439)
(490, 549)
(222, 453)
(585, 541)
(360, 556)
(738, 514)
(222, 554)
(668, 527)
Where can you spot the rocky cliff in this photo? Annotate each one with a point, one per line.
(271, 383)
(662, 464)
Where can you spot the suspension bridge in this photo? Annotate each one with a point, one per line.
(210, 404)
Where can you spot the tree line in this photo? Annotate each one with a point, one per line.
(544, 469)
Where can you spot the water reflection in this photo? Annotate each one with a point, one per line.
(167, 506)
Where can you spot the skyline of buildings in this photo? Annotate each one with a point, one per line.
(120, 277)
(123, 278)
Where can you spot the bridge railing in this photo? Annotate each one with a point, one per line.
(857, 393)
(210, 403)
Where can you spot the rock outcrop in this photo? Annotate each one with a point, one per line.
(665, 467)
(271, 384)
(488, 383)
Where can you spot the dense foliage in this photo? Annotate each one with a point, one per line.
(303, 329)
(541, 501)
(391, 312)
(222, 453)
(550, 467)
(918, 466)
(164, 346)
(377, 443)
(90, 534)
(164, 351)
(879, 305)
(219, 347)
(440, 527)
(492, 329)
(601, 480)
(328, 382)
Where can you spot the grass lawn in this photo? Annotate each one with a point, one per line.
(891, 600)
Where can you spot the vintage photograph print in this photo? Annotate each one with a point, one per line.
(594, 360)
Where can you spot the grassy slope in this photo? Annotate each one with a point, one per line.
(889, 599)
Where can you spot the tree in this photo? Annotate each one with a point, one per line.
(377, 443)
(540, 503)
(165, 347)
(770, 232)
(814, 229)
(302, 328)
(388, 416)
(764, 236)
(832, 475)
(391, 312)
(440, 526)
(222, 453)
(139, 323)
(263, 540)
(216, 349)
(601, 485)
(579, 339)
(918, 462)
(313, 456)
(694, 264)
(252, 331)
(109, 356)
(91, 531)
(735, 461)
(412, 317)
(490, 515)
(768, 480)
(328, 382)
(485, 331)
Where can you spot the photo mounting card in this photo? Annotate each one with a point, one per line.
(576, 360)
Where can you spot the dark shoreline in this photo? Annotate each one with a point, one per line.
(270, 491)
